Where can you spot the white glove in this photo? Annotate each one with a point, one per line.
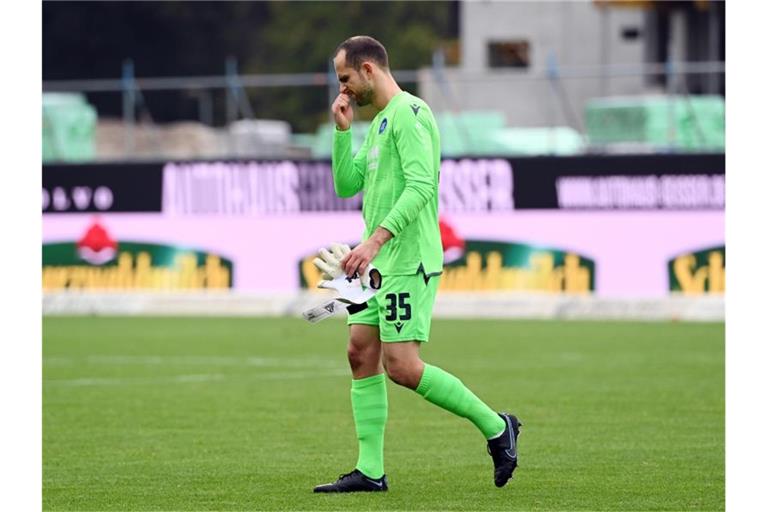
(329, 263)
(352, 290)
(322, 311)
(356, 289)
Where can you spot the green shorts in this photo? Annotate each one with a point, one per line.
(402, 309)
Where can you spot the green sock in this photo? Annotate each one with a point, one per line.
(446, 391)
(369, 408)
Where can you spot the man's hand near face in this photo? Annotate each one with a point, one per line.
(342, 112)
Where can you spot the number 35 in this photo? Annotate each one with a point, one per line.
(397, 301)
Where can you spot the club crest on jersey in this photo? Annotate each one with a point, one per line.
(383, 126)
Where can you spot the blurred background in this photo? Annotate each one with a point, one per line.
(583, 153)
(222, 79)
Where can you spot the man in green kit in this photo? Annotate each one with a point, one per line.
(397, 168)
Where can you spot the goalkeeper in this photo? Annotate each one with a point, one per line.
(397, 168)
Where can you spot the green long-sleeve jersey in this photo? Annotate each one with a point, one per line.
(398, 169)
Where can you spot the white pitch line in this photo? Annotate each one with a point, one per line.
(102, 381)
(194, 361)
(185, 379)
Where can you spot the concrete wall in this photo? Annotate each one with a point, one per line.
(573, 33)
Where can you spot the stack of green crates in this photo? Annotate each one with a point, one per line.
(675, 122)
(69, 126)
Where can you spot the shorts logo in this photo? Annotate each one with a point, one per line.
(383, 126)
(399, 326)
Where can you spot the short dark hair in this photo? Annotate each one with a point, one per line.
(362, 48)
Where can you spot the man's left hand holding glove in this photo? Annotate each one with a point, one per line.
(353, 290)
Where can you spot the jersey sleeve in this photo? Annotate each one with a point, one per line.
(414, 144)
(348, 172)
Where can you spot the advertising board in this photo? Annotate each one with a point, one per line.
(256, 225)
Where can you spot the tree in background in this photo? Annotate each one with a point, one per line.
(411, 31)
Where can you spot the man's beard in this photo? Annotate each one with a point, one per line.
(365, 97)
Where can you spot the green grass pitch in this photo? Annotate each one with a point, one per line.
(250, 414)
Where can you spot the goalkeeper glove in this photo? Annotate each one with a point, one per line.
(329, 263)
(356, 289)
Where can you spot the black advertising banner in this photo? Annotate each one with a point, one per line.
(621, 182)
(102, 187)
(255, 187)
(251, 187)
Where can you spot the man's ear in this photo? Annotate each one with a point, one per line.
(367, 67)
